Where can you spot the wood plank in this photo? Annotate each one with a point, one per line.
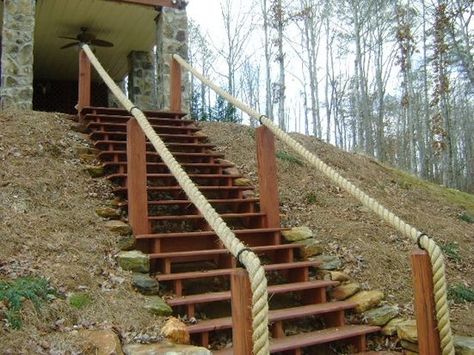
(241, 312)
(84, 84)
(136, 182)
(428, 336)
(153, 3)
(267, 176)
(175, 86)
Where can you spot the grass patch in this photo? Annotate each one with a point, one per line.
(285, 156)
(13, 293)
(451, 250)
(311, 198)
(460, 293)
(466, 217)
(462, 199)
(80, 300)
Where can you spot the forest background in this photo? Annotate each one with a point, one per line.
(390, 79)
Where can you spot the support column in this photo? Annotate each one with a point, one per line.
(17, 54)
(141, 80)
(172, 35)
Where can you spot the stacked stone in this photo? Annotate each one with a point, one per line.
(141, 83)
(17, 54)
(172, 33)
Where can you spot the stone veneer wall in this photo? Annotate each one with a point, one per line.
(141, 80)
(17, 54)
(172, 37)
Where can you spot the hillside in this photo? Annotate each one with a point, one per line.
(49, 228)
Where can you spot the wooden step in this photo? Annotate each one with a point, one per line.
(189, 217)
(111, 145)
(203, 234)
(122, 155)
(201, 188)
(121, 111)
(276, 315)
(165, 136)
(220, 179)
(319, 337)
(226, 272)
(110, 118)
(153, 166)
(274, 289)
(121, 128)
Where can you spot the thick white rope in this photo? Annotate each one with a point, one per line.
(258, 281)
(434, 251)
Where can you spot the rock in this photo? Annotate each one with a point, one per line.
(342, 292)
(95, 170)
(126, 242)
(117, 202)
(366, 300)
(248, 194)
(145, 284)
(199, 134)
(134, 260)
(327, 262)
(175, 331)
(407, 331)
(87, 158)
(101, 342)
(118, 227)
(413, 347)
(381, 315)
(296, 234)
(464, 345)
(231, 171)
(164, 349)
(391, 327)
(79, 128)
(157, 306)
(86, 150)
(310, 247)
(107, 212)
(242, 182)
(338, 276)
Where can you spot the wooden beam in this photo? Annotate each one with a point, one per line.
(84, 82)
(426, 324)
(241, 312)
(153, 3)
(267, 176)
(136, 178)
(175, 87)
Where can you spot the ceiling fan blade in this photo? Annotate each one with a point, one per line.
(69, 45)
(101, 43)
(66, 37)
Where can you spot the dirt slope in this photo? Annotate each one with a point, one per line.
(375, 254)
(48, 227)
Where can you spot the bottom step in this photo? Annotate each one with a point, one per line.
(313, 338)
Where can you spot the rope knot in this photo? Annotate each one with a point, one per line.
(418, 240)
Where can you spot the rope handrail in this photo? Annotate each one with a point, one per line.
(424, 241)
(258, 281)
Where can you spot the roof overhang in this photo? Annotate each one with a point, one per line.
(128, 24)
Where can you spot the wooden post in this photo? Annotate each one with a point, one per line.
(84, 83)
(267, 176)
(136, 178)
(175, 86)
(241, 312)
(426, 323)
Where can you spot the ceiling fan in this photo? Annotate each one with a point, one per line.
(86, 37)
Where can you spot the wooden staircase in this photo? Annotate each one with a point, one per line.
(189, 260)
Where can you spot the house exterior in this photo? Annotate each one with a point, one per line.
(37, 74)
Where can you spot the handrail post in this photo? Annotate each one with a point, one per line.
(84, 82)
(241, 312)
(426, 324)
(267, 176)
(136, 178)
(175, 86)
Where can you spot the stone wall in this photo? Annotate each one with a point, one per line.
(172, 36)
(17, 54)
(141, 80)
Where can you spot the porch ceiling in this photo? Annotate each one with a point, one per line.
(128, 27)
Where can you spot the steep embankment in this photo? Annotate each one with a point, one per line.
(48, 228)
(374, 253)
